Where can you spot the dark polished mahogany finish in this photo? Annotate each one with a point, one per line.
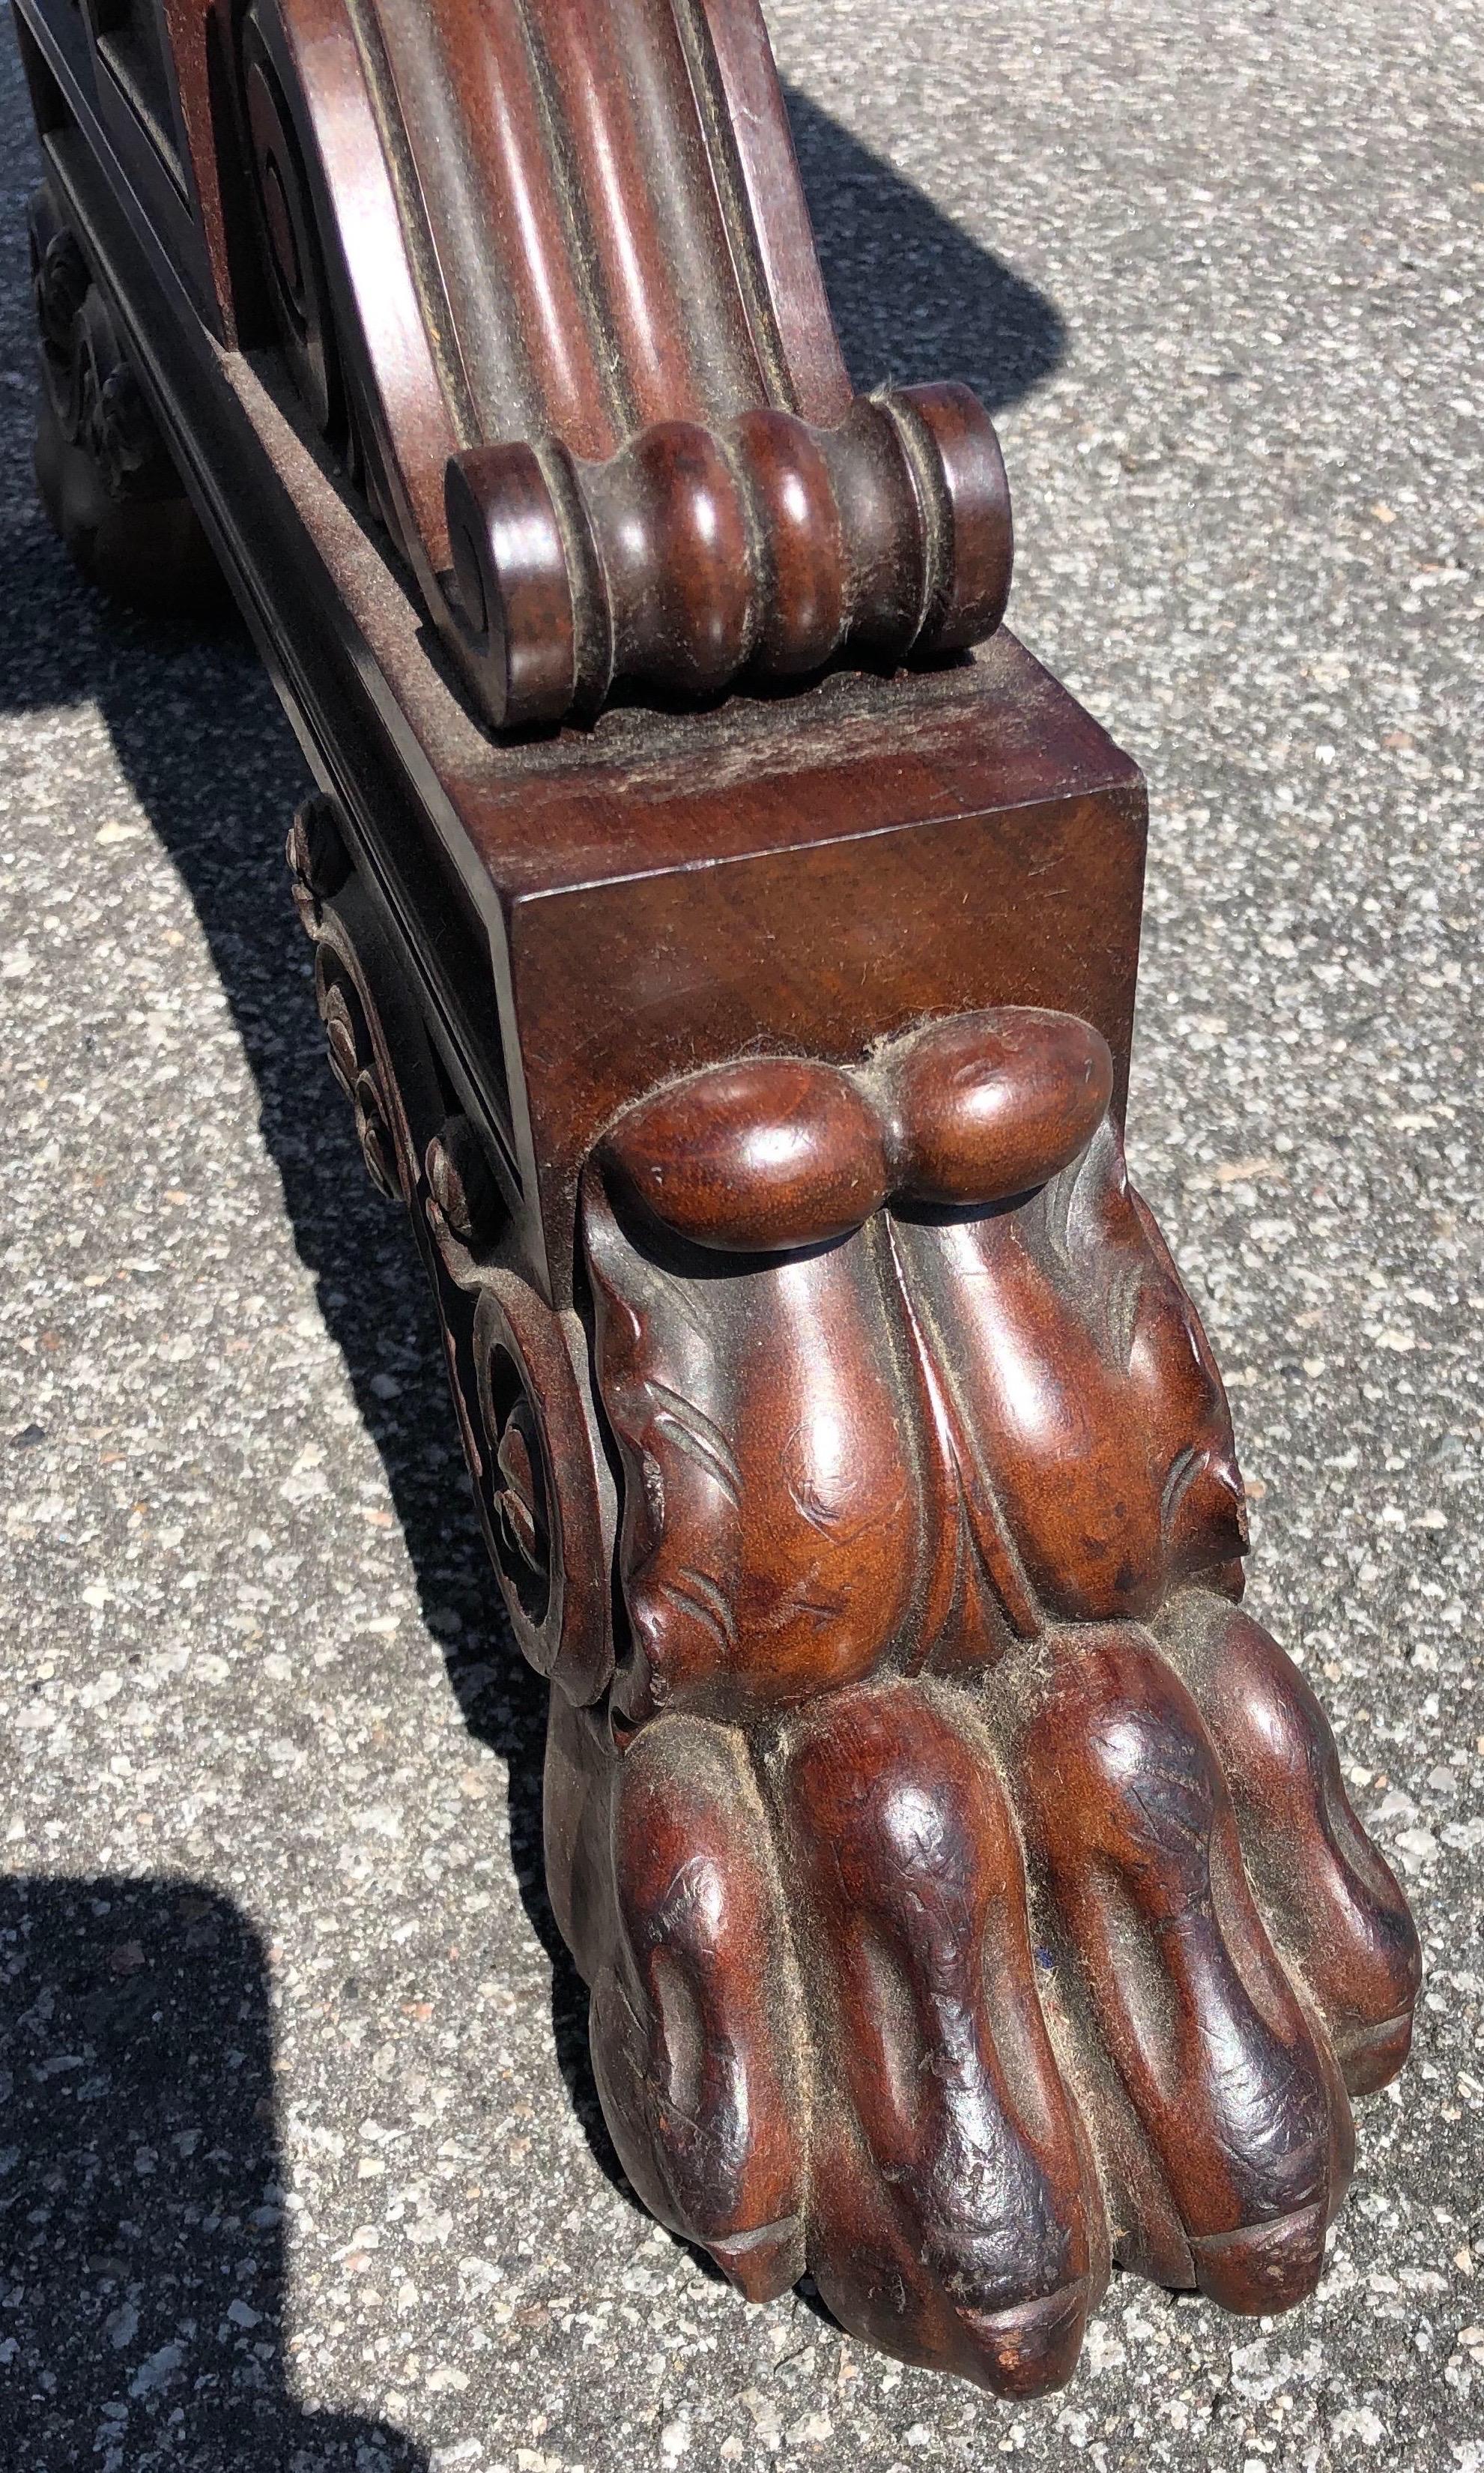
(725, 935)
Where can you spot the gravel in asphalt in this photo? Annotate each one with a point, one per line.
(306, 2169)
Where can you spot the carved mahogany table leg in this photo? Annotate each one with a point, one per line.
(726, 937)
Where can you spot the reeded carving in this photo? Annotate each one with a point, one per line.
(546, 275)
(695, 554)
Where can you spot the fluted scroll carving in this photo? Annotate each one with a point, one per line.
(694, 555)
(586, 372)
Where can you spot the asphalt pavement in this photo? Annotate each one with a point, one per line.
(305, 2169)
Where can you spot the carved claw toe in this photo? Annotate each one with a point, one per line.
(1262, 2267)
(815, 2026)
(950, 2217)
(1129, 1825)
(1333, 1903)
(695, 2041)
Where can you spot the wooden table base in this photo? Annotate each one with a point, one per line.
(726, 937)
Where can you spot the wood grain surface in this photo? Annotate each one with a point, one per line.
(733, 972)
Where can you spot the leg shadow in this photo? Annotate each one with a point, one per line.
(199, 733)
(141, 2194)
(913, 297)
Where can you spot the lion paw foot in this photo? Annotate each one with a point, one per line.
(953, 1999)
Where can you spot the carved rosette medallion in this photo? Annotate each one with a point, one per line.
(550, 1523)
(353, 1063)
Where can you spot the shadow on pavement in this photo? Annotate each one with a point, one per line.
(214, 766)
(913, 295)
(142, 2218)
